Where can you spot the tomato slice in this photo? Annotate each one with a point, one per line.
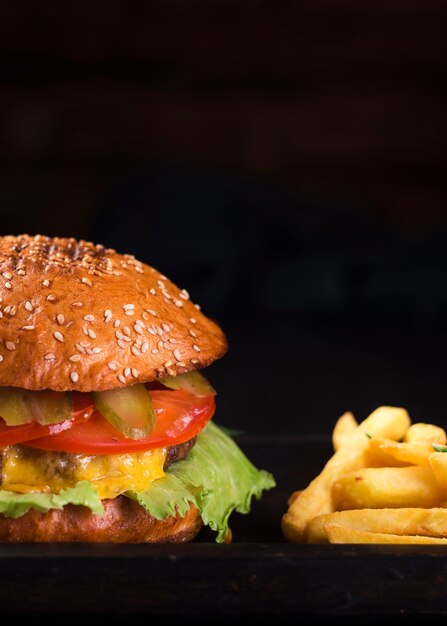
(82, 411)
(181, 415)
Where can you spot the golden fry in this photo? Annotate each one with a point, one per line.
(340, 534)
(407, 453)
(403, 521)
(316, 499)
(344, 427)
(426, 432)
(438, 463)
(383, 487)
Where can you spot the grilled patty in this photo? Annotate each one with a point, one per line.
(63, 464)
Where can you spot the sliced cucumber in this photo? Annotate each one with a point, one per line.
(128, 409)
(192, 381)
(20, 406)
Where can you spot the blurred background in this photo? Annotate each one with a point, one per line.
(282, 160)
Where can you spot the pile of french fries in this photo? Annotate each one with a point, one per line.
(385, 483)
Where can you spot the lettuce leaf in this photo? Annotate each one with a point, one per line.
(216, 476)
(17, 504)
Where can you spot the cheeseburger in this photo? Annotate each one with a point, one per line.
(105, 420)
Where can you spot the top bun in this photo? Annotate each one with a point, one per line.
(79, 316)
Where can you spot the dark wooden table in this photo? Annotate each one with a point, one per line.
(259, 575)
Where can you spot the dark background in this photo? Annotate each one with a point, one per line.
(282, 160)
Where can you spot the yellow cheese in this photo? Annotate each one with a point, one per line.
(28, 469)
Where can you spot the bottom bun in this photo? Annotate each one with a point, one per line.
(123, 521)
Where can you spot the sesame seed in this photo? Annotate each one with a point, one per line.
(1, 358)
(46, 283)
(87, 281)
(152, 331)
(135, 351)
(144, 347)
(85, 330)
(197, 306)
(121, 378)
(80, 347)
(139, 269)
(194, 361)
(7, 275)
(116, 323)
(144, 315)
(154, 351)
(91, 333)
(77, 304)
(7, 309)
(166, 327)
(97, 350)
(196, 348)
(21, 272)
(138, 329)
(30, 327)
(170, 371)
(74, 377)
(126, 338)
(160, 344)
(128, 312)
(89, 318)
(127, 371)
(75, 357)
(1, 314)
(177, 354)
(13, 310)
(8, 285)
(167, 300)
(127, 307)
(28, 306)
(167, 364)
(167, 346)
(49, 356)
(152, 291)
(126, 330)
(134, 372)
(10, 345)
(193, 333)
(60, 319)
(118, 334)
(152, 312)
(161, 284)
(181, 364)
(178, 303)
(59, 336)
(51, 297)
(193, 320)
(111, 366)
(140, 323)
(184, 294)
(121, 343)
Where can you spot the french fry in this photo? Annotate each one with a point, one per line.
(383, 487)
(340, 534)
(426, 432)
(316, 499)
(344, 427)
(438, 463)
(410, 452)
(405, 521)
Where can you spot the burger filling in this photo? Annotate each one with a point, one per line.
(152, 443)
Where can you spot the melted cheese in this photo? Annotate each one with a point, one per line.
(27, 469)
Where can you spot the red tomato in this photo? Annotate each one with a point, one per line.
(181, 415)
(82, 411)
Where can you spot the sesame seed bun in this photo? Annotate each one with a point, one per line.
(123, 521)
(78, 316)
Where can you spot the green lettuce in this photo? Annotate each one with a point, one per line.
(17, 504)
(216, 476)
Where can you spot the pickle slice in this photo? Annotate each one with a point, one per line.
(20, 406)
(192, 381)
(128, 409)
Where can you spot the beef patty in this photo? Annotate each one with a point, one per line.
(63, 463)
